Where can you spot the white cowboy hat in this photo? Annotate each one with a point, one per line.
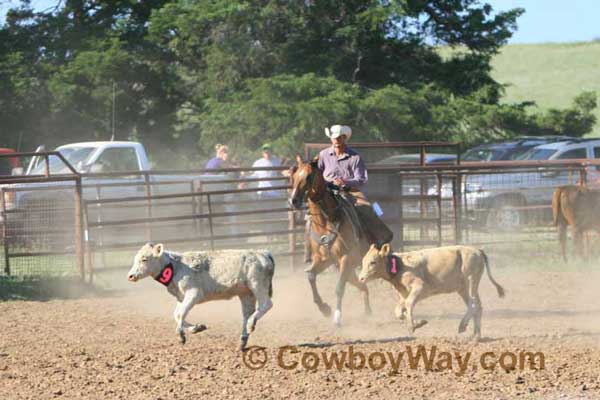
(337, 131)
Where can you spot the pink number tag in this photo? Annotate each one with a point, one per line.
(394, 266)
(166, 275)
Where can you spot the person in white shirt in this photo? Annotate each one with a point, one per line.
(267, 160)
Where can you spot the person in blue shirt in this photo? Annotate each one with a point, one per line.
(220, 160)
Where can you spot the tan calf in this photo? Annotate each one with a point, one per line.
(420, 274)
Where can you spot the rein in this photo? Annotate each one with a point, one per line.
(322, 209)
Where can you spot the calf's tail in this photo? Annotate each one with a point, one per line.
(499, 288)
(271, 272)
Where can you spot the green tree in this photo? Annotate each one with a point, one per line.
(574, 121)
(264, 67)
(187, 74)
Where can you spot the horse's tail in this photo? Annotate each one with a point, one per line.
(556, 211)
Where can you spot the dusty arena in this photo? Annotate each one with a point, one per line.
(121, 343)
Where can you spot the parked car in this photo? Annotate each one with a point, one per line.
(508, 150)
(410, 186)
(497, 200)
(415, 159)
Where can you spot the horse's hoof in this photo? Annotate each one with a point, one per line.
(182, 338)
(243, 343)
(337, 318)
(199, 328)
(325, 309)
(462, 327)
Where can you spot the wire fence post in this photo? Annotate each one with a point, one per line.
(456, 203)
(439, 207)
(99, 221)
(89, 256)
(401, 212)
(147, 226)
(46, 166)
(79, 229)
(194, 205)
(5, 233)
(199, 222)
(292, 235)
(210, 222)
(583, 177)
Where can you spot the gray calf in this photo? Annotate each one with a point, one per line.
(198, 277)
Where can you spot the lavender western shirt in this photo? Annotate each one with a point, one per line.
(214, 163)
(349, 167)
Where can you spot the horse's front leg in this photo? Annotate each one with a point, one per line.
(344, 272)
(315, 269)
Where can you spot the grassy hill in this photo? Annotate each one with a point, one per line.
(550, 74)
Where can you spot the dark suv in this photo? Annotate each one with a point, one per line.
(509, 150)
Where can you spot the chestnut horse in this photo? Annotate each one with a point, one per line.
(332, 238)
(579, 207)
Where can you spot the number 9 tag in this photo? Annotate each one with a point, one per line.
(166, 275)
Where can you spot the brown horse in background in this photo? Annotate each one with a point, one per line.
(579, 207)
(340, 246)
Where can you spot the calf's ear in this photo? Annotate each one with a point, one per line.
(158, 250)
(385, 250)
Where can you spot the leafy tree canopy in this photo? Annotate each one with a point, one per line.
(186, 74)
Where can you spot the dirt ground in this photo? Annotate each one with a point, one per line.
(123, 345)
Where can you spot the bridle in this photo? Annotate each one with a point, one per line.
(333, 228)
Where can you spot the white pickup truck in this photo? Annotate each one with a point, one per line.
(94, 157)
(30, 205)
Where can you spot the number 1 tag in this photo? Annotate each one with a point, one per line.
(393, 266)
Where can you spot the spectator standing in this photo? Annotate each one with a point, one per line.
(267, 160)
(220, 160)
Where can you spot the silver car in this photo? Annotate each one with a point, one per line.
(507, 201)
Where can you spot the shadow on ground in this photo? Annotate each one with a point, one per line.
(355, 342)
(44, 289)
